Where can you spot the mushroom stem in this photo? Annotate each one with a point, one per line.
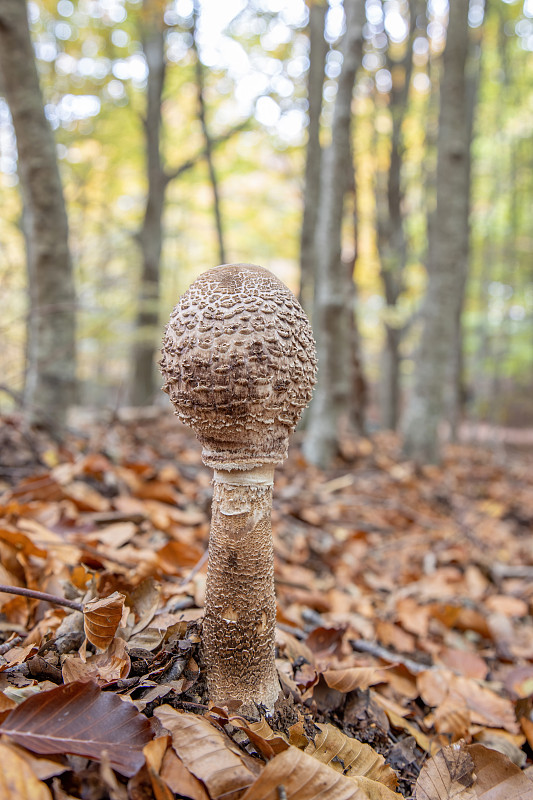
(240, 612)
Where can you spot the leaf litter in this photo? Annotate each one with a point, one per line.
(404, 639)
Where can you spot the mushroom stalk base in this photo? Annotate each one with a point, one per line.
(240, 611)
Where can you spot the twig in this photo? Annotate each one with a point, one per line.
(362, 646)
(48, 598)
(197, 567)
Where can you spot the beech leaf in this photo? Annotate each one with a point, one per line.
(79, 718)
(472, 772)
(17, 779)
(448, 774)
(305, 778)
(346, 680)
(208, 753)
(349, 756)
(497, 778)
(101, 619)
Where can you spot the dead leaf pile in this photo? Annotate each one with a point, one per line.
(405, 632)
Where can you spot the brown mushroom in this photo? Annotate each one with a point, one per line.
(239, 365)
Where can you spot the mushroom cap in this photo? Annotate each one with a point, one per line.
(239, 364)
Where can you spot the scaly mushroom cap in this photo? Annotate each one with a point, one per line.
(239, 365)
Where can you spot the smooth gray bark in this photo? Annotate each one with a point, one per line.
(457, 393)
(151, 233)
(315, 82)
(446, 251)
(51, 348)
(392, 245)
(330, 410)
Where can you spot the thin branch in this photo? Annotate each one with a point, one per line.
(215, 142)
(48, 598)
(202, 115)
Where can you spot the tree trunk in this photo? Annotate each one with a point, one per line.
(392, 244)
(151, 234)
(330, 410)
(448, 243)
(457, 388)
(51, 370)
(315, 82)
(150, 238)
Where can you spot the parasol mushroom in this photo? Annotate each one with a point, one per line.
(239, 365)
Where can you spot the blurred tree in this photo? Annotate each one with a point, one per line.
(331, 409)
(447, 250)
(51, 353)
(150, 237)
(315, 83)
(390, 222)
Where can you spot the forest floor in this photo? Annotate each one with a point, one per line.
(404, 638)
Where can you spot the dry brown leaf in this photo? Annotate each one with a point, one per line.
(79, 718)
(497, 778)
(464, 662)
(346, 680)
(155, 750)
(178, 778)
(413, 617)
(42, 768)
(448, 774)
(398, 721)
(104, 667)
(101, 619)
(6, 703)
(17, 779)
(114, 535)
(305, 778)
(262, 736)
(391, 635)
(527, 727)
(451, 719)
(352, 758)
(208, 753)
(485, 706)
(145, 602)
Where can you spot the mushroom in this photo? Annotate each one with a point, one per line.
(239, 365)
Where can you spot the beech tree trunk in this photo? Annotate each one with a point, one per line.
(315, 82)
(330, 409)
(151, 233)
(392, 245)
(447, 246)
(51, 348)
(458, 392)
(147, 335)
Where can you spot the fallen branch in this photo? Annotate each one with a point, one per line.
(374, 649)
(48, 598)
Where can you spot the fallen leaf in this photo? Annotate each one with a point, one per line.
(79, 718)
(349, 756)
(497, 778)
(17, 779)
(448, 774)
(485, 706)
(178, 778)
(104, 667)
(101, 619)
(305, 778)
(346, 680)
(208, 753)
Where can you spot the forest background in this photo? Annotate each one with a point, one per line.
(378, 161)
